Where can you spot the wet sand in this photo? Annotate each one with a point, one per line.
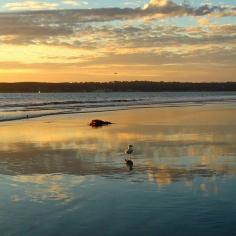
(60, 168)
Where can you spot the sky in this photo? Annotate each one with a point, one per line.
(107, 40)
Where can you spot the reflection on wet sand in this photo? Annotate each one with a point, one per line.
(33, 152)
(45, 187)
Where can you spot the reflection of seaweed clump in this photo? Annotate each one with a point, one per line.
(99, 123)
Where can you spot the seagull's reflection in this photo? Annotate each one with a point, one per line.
(129, 164)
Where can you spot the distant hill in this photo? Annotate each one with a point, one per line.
(116, 86)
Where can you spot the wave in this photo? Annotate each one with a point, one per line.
(31, 116)
(29, 110)
(69, 103)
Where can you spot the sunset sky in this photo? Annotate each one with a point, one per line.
(106, 40)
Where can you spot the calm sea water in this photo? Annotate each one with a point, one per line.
(30, 105)
(58, 176)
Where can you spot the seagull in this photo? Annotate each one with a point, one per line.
(129, 150)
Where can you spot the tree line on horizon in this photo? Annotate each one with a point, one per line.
(116, 86)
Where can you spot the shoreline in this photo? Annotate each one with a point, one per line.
(205, 114)
(126, 108)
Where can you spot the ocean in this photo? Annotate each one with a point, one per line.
(15, 106)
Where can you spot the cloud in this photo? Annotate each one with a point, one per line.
(30, 5)
(167, 8)
(62, 28)
(159, 4)
(154, 9)
(71, 2)
(143, 44)
(54, 26)
(203, 21)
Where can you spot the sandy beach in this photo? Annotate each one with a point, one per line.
(59, 176)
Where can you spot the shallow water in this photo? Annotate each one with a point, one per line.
(58, 176)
